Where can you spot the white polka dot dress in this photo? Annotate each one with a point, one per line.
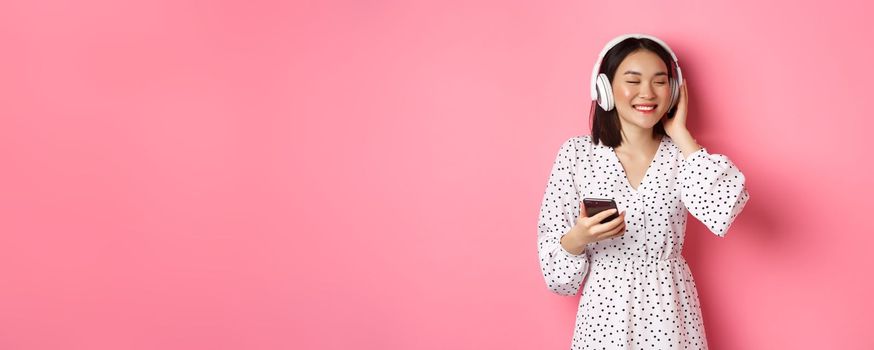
(638, 291)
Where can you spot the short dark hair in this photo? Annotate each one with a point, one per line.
(606, 128)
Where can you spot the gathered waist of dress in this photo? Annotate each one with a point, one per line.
(636, 259)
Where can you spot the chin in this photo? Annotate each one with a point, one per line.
(644, 122)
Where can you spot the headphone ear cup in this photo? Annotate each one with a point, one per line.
(675, 93)
(605, 92)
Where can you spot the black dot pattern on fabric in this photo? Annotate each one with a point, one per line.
(637, 289)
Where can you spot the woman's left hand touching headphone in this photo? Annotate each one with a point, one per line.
(675, 127)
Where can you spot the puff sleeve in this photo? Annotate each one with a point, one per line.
(562, 271)
(713, 189)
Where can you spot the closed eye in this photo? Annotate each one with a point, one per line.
(637, 82)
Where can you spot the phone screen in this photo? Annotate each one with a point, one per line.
(597, 205)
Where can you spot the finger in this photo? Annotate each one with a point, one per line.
(609, 225)
(600, 216)
(619, 232)
(621, 228)
(583, 210)
(685, 89)
(596, 219)
(614, 232)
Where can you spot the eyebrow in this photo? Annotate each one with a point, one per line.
(638, 73)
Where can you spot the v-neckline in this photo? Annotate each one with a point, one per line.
(646, 175)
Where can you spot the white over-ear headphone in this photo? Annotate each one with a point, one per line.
(602, 91)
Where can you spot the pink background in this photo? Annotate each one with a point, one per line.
(368, 174)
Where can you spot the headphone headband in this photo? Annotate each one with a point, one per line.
(619, 39)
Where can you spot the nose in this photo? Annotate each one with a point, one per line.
(646, 91)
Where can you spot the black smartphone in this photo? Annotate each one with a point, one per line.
(597, 205)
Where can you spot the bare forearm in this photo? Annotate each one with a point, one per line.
(686, 143)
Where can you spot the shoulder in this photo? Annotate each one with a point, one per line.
(576, 149)
(578, 143)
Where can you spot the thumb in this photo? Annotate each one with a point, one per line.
(583, 210)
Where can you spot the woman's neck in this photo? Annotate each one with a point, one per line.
(638, 141)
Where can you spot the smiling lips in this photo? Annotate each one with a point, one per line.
(645, 108)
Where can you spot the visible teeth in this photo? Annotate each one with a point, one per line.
(642, 108)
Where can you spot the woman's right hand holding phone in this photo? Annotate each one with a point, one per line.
(590, 229)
